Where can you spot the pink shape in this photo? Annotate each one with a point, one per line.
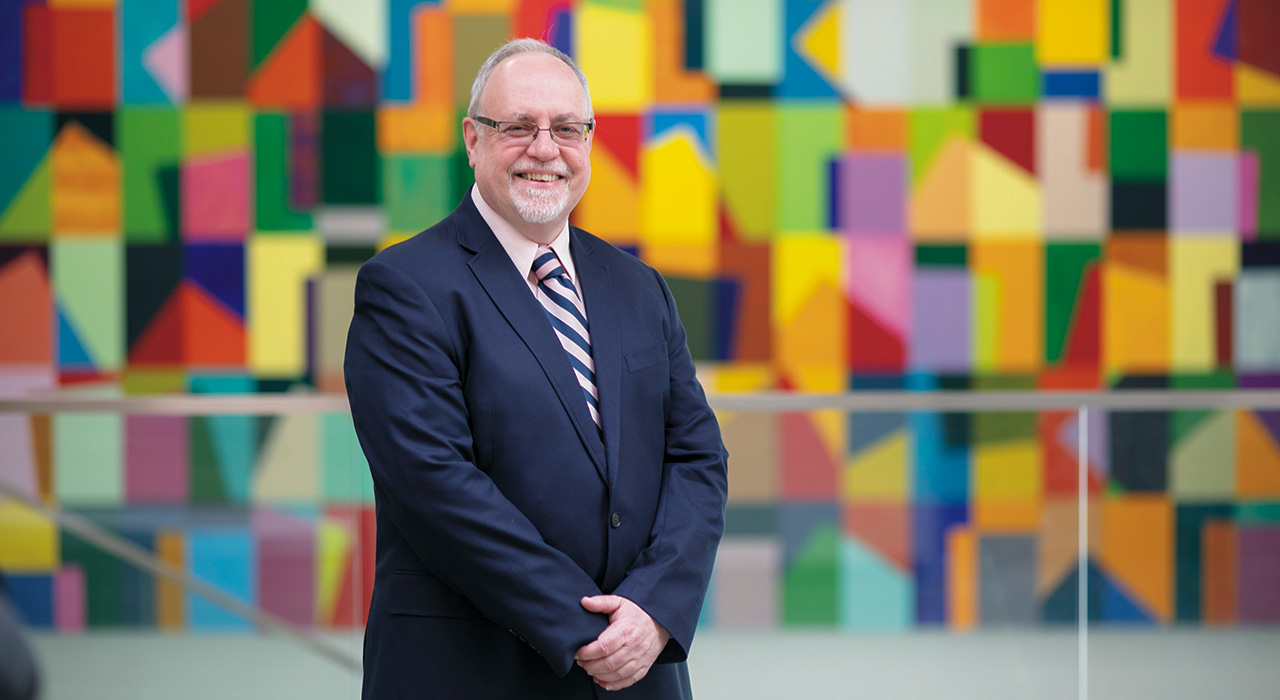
(880, 275)
(166, 60)
(156, 449)
(1249, 195)
(286, 566)
(69, 599)
(215, 198)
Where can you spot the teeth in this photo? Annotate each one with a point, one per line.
(540, 177)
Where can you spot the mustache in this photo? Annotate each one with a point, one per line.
(556, 168)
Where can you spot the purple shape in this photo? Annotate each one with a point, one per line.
(1249, 195)
(873, 194)
(286, 566)
(1098, 448)
(1270, 419)
(219, 269)
(156, 449)
(304, 160)
(1226, 41)
(1205, 193)
(940, 321)
(1260, 574)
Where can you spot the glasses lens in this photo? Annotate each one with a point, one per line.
(518, 130)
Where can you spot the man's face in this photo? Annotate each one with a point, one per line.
(532, 184)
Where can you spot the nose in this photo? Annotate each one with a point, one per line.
(543, 146)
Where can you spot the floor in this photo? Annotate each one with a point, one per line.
(1240, 664)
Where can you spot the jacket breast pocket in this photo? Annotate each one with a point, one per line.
(647, 357)
(420, 593)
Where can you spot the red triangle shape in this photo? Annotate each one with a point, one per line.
(1084, 339)
(620, 134)
(197, 8)
(161, 342)
(871, 345)
(213, 335)
(290, 77)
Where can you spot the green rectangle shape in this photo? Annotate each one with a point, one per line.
(1065, 266)
(346, 475)
(811, 592)
(349, 158)
(808, 138)
(1139, 146)
(1004, 74)
(88, 450)
(271, 23)
(743, 40)
(1260, 133)
(1257, 513)
(25, 137)
(417, 190)
(25, 179)
(271, 176)
(150, 141)
(931, 128)
(694, 299)
(942, 256)
(88, 280)
(104, 588)
(988, 427)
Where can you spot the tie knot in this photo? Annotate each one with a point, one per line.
(546, 264)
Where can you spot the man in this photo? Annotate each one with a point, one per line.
(550, 482)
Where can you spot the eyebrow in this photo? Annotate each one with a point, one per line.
(562, 117)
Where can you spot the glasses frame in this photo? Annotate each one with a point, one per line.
(496, 124)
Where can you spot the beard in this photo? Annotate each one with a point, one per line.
(537, 206)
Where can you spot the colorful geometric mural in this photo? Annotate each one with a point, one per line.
(844, 195)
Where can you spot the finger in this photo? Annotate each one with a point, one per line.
(626, 670)
(623, 683)
(606, 604)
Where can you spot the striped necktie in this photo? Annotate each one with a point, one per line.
(563, 304)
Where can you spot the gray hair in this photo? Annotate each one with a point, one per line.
(516, 47)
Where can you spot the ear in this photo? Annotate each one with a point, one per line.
(470, 137)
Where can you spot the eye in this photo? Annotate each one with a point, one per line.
(568, 130)
(518, 129)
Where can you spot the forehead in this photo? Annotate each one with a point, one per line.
(534, 84)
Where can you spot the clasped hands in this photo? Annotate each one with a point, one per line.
(627, 648)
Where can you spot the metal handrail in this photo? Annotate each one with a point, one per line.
(766, 402)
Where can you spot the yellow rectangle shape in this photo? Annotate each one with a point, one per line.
(1074, 32)
(30, 540)
(279, 267)
(615, 50)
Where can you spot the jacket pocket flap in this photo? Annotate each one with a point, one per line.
(414, 593)
(652, 355)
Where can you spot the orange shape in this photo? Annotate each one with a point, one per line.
(1211, 126)
(1137, 549)
(962, 579)
(27, 328)
(1006, 20)
(1257, 458)
(1219, 574)
(86, 183)
(213, 335)
(876, 129)
(671, 82)
(290, 76)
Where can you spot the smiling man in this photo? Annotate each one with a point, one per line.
(550, 482)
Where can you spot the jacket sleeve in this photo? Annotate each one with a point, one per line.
(669, 578)
(404, 384)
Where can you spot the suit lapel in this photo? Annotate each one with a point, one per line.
(602, 316)
(510, 293)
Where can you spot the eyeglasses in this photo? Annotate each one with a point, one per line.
(563, 133)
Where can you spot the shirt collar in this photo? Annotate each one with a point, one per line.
(520, 249)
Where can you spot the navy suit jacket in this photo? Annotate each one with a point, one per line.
(498, 505)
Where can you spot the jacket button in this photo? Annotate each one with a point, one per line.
(615, 519)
